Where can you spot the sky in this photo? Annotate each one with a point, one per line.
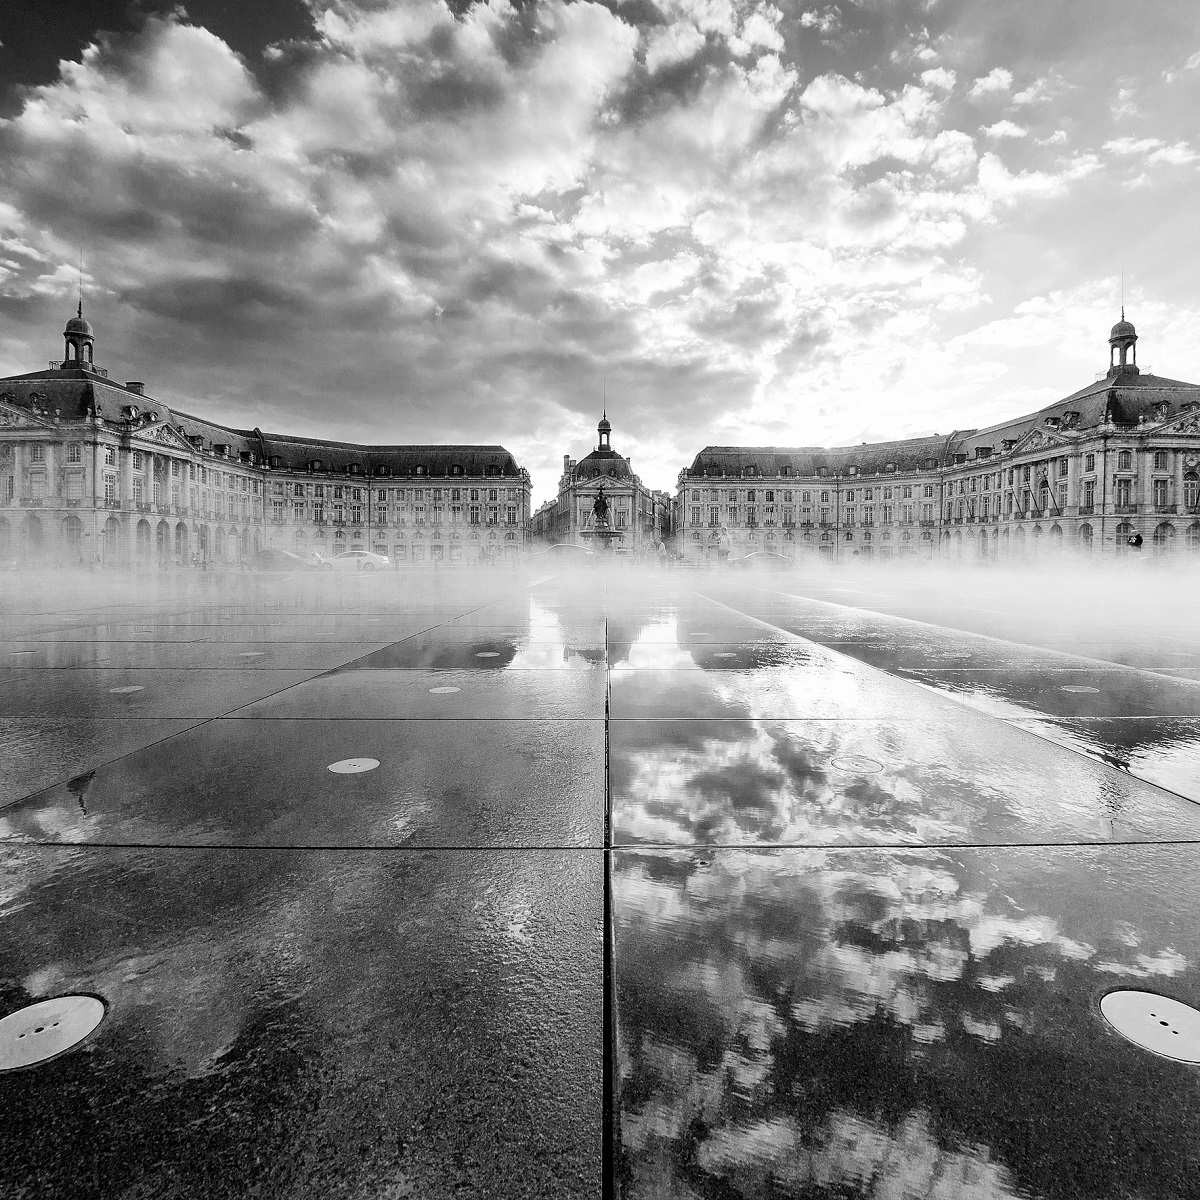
(739, 222)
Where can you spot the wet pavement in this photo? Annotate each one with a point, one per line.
(649, 886)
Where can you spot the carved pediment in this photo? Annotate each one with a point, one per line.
(12, 417)
(1037, 439)
(1185, 423)
(162, 434)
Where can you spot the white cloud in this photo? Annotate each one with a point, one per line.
(827, 21)
(997, 80)
(671, 44)
(939, 77)
(1005, 129)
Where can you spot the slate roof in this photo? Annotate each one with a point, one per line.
(1126, 397)
(73, 392)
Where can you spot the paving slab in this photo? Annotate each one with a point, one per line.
(1114, 692)
(823, 686)
(1162, 750)
(306, 1024)
(899, 1023)
(224, 652)
(37, 752)
(355, 693)
(268, 783)
(432, 652)
(965, 781)
(130, 692)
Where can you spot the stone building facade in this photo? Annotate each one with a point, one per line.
(92, 470)
(1117, 460)
(639, 514)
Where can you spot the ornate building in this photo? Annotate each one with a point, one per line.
(1119, 459)
(94, 470)
(638, 514)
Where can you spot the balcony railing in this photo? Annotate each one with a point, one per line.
(141, 505)
(1164, 508)
(69, 364)
(1126, 509)
(31, 502)
(1086, 510)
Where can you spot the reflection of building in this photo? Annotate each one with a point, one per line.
(641, 516)
(1116, 459)
(93, 469)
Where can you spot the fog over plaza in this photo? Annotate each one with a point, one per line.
(746, 222)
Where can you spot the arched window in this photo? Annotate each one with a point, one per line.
(1125, 460)
(1191, 490)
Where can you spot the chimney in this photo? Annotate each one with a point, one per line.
(136, 385)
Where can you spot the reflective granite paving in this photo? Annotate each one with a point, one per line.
(643, 885)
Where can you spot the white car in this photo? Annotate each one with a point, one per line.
(358, 560)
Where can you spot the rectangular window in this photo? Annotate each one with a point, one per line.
(110, 489)
(138, 488)
(356, 514)
(137, 460)
(714, 514)
(110, 456)
(1160, 492)
(75, 487)
(277, 509)
(1160, 460)
(511, 514)
(74, 452)
(318, 511)
(1062, 468)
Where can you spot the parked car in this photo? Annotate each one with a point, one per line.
(764, 558)
(284, 560)
(358, 560)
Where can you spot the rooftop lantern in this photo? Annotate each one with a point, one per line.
(1122, 348)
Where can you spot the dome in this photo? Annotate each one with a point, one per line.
(78, 325)
(1122, 329)
(605, 425)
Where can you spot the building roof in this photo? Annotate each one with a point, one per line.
(1125, 397)
(869, 457)
(603, 462)
(73, 394)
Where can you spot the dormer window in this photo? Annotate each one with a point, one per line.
(456, 469)
(418, 470)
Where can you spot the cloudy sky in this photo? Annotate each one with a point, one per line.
(750, 222)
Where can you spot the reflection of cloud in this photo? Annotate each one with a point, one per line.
(758, 988)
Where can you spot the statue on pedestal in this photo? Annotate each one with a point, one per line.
(600, 507)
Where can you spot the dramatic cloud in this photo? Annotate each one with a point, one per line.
(422, 221)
